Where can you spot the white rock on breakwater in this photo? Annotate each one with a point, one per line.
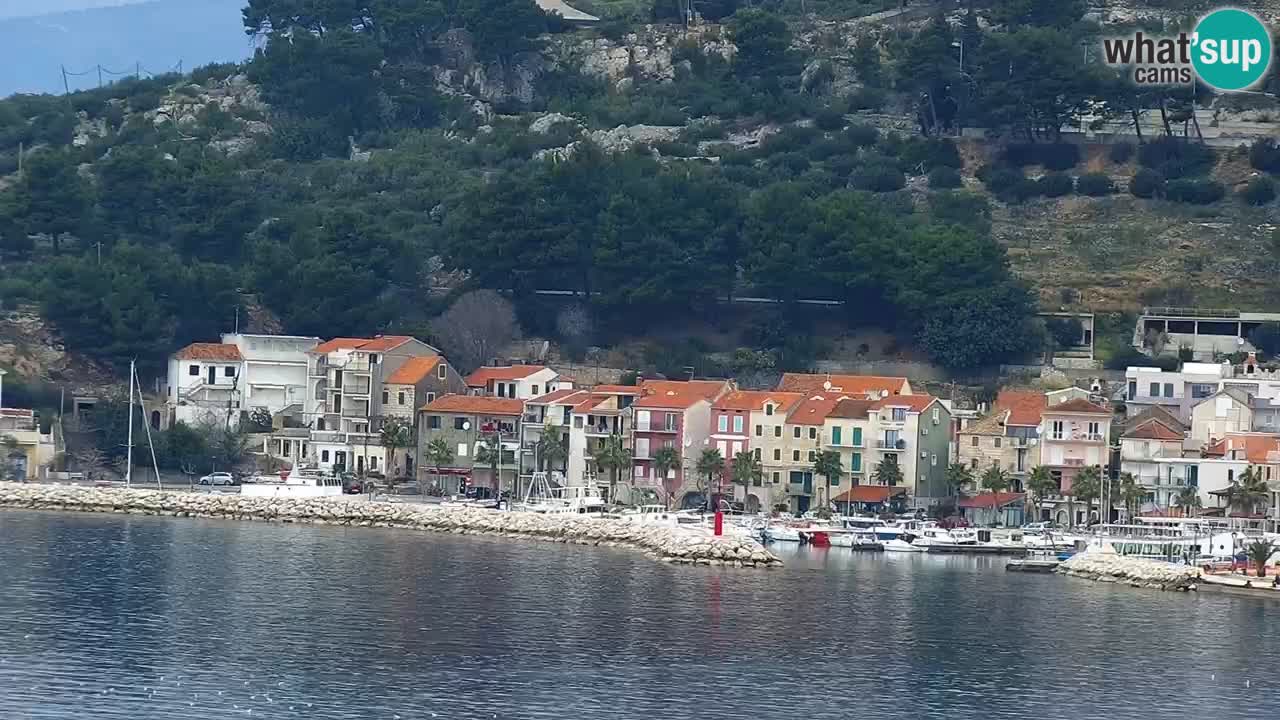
(669, 544)
(1109, 566)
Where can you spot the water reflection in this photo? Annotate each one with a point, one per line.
(124, 617)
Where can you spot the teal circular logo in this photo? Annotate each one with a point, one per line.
(1231, 49)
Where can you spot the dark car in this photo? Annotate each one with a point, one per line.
(354, 487)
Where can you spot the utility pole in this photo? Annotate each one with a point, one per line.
(66, 87)
(99, 76)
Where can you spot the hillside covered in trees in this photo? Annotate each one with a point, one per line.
(375, 159)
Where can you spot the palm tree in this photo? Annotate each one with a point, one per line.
(490, 453)
(959, 478)
(1260, 552)
(612, 456)
(995, 481)
(666, 459)
(438, 454)
(888, 472)
(746, 472)
(1040, 484)
(1131, 494)
(1250, 491)
(828, 465)
(1188, 499)
(1087, 486)
(395, 433)
(550, 448)
(710, 465)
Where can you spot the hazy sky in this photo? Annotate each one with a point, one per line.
(26, 8)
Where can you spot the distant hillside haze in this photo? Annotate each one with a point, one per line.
(116, 34)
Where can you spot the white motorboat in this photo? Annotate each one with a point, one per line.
(298, 483)
(900, 544)
(855, 539)
(781, 533)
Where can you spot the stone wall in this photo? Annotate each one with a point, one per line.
(668, 544)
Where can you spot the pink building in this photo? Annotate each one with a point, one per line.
(1074, 434)
(672, 414)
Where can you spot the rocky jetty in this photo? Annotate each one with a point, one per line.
(1109, 566)
(668, 544)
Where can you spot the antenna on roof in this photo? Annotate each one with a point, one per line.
(826, 384)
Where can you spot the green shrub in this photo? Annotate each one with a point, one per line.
(1095, 185)
(1265, 155)
(1022, 190)
(1120, 153)
(789, 139)
(1260, 191)
(1057, 156)
(929, 153)
(1147, 183)
(943, 178)
(1056, 185)
(792, 162)
(878, 177)
(842, 165)
(1000, 180)
(1195, 192)
(829, 118)
(867, 99)
(958, 207)
(862, 135)
(1175, 158)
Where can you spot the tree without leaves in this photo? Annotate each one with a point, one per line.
(476, 328)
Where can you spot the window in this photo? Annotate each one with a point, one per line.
(835, 480)
(811, 456)
(400, 397)
(535, 390)
(1155, 389)
(1056, 430)
(1202, 390)
(796, 431)
(324, 456)
(737, 424)
(459, 423)
(835, 435)
(640, 471)
(777, 454)
(462, 450)
(1095, 430)
(1133, 389)
(722, 423)
(373, 359)
(577, 421)
(642, 447)
(671, 421)
(758, 456)
(1231, 475)
(777, 478)
(855, 462)
(193, 370)
(997, 442)
(813, 433)
(768, 410)
(442, 371)
(974, 443)
(937, 418)
(795, 456)
(373, 462)
(386, 397)
(431, 397)
(899, 414)
(777, 431)
(433, 422)
(759, 430)
(1168, 390)
(857, 437)
(228, 371)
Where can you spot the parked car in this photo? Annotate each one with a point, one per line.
(353, 488)
(218, 478)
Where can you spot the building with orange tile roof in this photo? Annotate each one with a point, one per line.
(675, 414)
(516, 381)
(418, 381)
(467, 426)
(739, 420)
(1008, 437)
(1075, 433)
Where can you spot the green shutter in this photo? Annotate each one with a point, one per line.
(835, 435)
(856, 464)
(857, 438)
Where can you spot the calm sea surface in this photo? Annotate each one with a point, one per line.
(113, 617)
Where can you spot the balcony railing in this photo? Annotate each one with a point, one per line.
(894, 445)
(333, 436)
(355, 411)
(531, 419)
(356, 386)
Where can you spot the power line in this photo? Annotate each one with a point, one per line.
(100, 70)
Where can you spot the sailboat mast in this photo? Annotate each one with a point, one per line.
(128, 467)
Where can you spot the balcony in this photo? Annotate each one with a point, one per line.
(601, 429)
(531, 419)
(329, 436)
(655, 427)
(319, 369)
(892, 445)
(358, 365)
(356, 386)
(355, 411)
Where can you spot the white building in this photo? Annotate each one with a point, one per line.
(1229, 410)
(1142, 448)
(273, 373)
(521, 382)
(1178, 392)
(203, 384)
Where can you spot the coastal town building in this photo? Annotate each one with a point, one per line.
(582, 421)
(770, 443)
(1143, 447)
(1229, 410)
(804, 439)
(1007, 438)
(674, 414)
(346, 378)
(213, 383)
(850, 430)
(467, 424)
(521, 382)
(914, 431)
(418, 381)
(30, 452)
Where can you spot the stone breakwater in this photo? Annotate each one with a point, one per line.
(1106, 566)
(668, 544)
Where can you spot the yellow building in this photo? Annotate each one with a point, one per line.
(31, 449)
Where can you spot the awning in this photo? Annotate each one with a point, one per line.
(868, 494)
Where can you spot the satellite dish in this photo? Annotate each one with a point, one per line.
(466, 424)
(826, 384)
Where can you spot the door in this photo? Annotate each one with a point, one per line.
(359, 464)
(213, 375)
